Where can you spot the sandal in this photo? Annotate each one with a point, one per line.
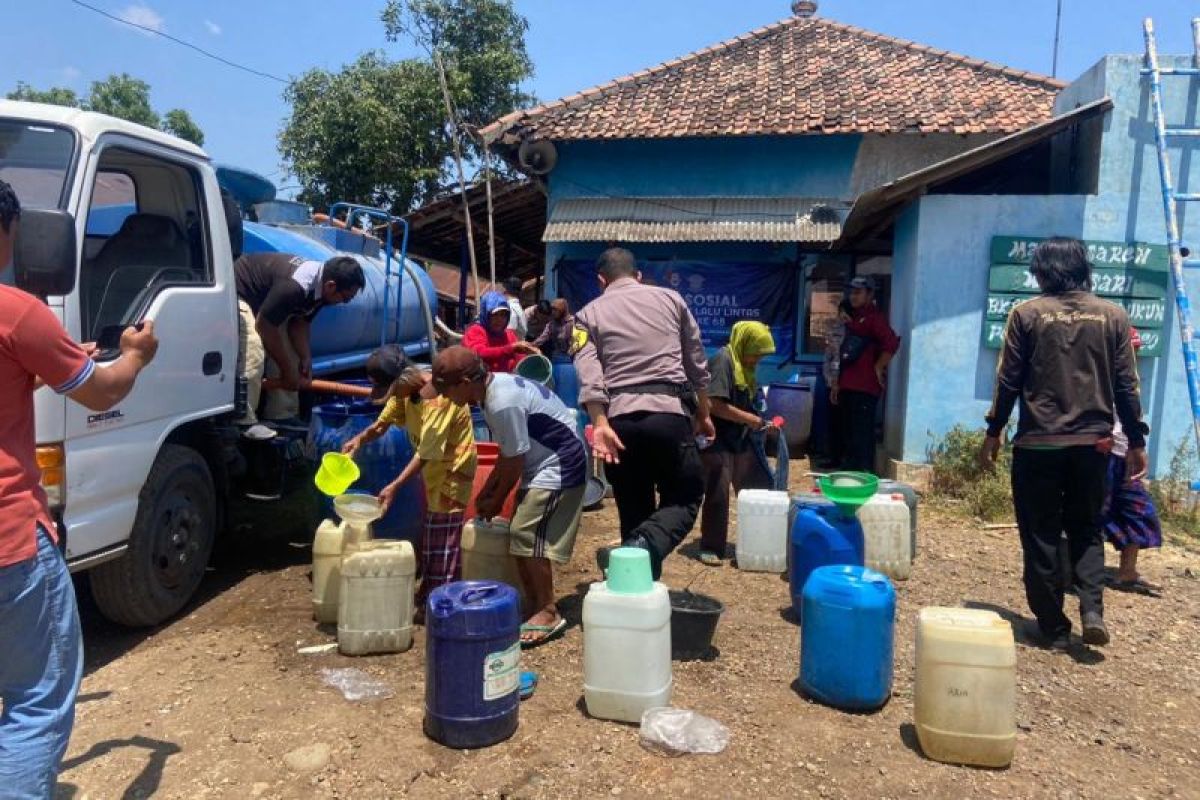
(1136, 586)
(549, 633)
(709, 558)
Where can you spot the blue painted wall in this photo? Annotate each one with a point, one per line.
(941, 261)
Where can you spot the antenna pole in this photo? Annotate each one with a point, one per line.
(462, 178)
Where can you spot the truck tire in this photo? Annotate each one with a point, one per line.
(169, 545)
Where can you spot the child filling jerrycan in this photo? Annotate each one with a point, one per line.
(375, 603)
(826, 534)
(626, 640)
(357, 511)
(472, 663)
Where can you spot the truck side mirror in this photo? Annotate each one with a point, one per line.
(44, 256)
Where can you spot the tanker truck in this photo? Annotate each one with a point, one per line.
(123, 223)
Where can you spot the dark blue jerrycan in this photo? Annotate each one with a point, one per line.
(472, 663)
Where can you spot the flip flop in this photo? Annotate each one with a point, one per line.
(529, 682)
(1137, 586)
(709, 559)
(549, 632)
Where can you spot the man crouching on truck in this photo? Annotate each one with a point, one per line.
(40, 640)
(275, 289)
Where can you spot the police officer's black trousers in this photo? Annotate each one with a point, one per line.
(659, 483)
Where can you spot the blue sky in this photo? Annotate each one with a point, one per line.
(574, 43)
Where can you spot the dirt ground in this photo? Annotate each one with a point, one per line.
(220, 704)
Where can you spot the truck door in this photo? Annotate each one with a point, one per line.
(156, 247)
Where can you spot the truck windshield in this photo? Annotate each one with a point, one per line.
(35, 160)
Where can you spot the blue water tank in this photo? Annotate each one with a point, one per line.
(566, 381)
(847, 639)
(381, 461)
(793, 402)
(479, 425)
(343, 336)
(472, 663)
(821, 536)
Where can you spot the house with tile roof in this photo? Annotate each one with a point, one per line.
(759, 175)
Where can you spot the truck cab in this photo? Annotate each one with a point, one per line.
(138, 491)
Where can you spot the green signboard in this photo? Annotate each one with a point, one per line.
(1019, 250)
(1152, 340)
(1131, 274)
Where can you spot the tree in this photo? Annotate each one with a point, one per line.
(120, 96)
(125, 97)
(179, 123)
(376, 131)
(55, 96)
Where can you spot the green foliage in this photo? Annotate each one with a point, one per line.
(121, 96)
(959, 478)
(125, 97)
(178, 122)
(376, 132)
(55, 96)
(1178, 506)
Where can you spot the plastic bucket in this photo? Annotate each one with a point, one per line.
(694, 619)
(336, 474)
(536, 368)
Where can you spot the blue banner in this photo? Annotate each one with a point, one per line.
(719, 294)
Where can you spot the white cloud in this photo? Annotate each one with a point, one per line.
(144, 16)
(213, 27)
(69, 74)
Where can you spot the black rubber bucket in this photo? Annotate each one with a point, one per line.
(694, 619)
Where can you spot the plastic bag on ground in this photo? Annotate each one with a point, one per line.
(354, 684)
(677, 731)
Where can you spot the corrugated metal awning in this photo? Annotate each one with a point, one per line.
(694, 219)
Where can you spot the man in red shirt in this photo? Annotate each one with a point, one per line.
(39, 624)
(867, 350)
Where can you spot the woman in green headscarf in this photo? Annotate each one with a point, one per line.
(729, 459)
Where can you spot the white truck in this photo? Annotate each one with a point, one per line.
(139, 492)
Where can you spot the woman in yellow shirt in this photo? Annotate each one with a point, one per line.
(443, 442)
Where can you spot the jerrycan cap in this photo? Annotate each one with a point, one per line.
(629, 571)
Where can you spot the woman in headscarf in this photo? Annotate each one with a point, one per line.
(729, 459)
(491, 337)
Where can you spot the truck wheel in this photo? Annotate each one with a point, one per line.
(169, 546)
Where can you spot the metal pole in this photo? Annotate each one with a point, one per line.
(1182, 303)
(1057, 29)
(462, 178)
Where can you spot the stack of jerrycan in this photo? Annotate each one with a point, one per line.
(486, 556)
(762, 530)
(826, 532)
(472, 663)
(965, 689)
(626, 640)
(357, 512)
(887, 535)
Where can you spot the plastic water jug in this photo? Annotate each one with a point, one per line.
(965, 690)
(626, 640)
(486, 556)
(357, 513)
(847, 640)
(887, 536)
(472, 663)
(762, 530)
(822, 535)
(375, 607)
(910, 497)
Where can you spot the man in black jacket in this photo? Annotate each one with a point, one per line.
(1068, 359)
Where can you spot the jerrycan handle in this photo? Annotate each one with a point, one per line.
(475, 595)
